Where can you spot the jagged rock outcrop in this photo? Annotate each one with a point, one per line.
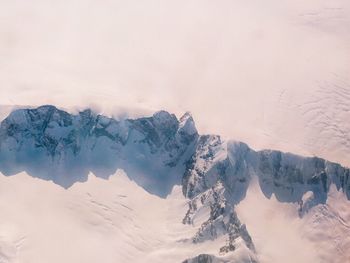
(52, 144)
(204, 258)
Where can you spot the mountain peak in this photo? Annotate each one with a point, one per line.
(187, 124)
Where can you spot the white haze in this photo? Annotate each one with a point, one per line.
(270, 73)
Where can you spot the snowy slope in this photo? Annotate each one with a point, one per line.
(97, 221)
(106, 220)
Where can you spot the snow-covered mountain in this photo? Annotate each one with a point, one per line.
(212, 220)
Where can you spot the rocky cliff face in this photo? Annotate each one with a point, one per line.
(55, 145)
(158, 152)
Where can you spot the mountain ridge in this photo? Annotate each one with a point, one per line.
(158, 152)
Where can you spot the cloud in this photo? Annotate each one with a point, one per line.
(245, 69)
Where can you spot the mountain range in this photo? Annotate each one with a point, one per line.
(162, 152)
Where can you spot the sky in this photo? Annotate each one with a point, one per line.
(274, 74)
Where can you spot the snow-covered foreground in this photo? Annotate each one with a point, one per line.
(97, 221)
(117, 221)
